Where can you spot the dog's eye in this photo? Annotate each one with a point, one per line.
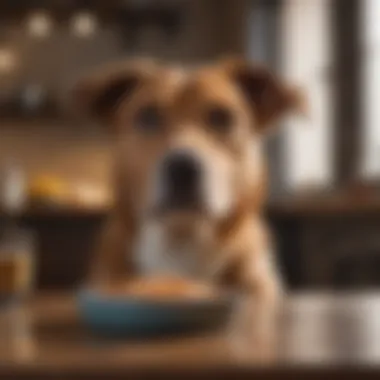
(149, 119)
(219, 118)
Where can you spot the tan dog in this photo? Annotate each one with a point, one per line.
(189, 171)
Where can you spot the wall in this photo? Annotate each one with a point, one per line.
(77, 152)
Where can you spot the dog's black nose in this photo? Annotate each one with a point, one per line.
(181, 177)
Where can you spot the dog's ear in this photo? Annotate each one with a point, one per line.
(268, 96)
(98, 94)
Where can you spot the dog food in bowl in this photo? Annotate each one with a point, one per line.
(160, 288)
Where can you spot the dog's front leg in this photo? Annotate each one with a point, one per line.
(255, 326)
(247, 262)
(256, 322)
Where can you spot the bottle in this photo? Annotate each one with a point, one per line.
(16, 242)
(13, 190)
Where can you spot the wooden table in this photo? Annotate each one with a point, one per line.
(318, 335)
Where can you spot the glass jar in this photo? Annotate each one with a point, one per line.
(16, 264)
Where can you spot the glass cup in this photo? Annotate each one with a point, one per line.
(16, 264)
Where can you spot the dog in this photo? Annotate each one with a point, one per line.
(189, 172)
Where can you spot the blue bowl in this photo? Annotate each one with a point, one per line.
(128, 316)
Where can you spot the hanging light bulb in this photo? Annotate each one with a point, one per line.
(7, 60)
(39, 24)
(84, 24)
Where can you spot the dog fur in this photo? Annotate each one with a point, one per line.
(230, 243)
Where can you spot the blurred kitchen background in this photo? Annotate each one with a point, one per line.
(324, 201)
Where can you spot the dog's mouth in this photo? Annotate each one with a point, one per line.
(183, 204)
(182, 224)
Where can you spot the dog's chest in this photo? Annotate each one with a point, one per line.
(156, 253)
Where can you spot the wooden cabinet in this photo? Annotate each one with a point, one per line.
(332, 246)
(64, 243)
(340, 252)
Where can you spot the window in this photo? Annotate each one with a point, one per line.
(294, 37)
(370, 165)
(306, 51)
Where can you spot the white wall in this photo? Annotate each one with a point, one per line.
(307, 57)
(371, 89)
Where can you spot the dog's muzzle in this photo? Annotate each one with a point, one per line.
(181, 178)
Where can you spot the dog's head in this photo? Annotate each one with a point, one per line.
(187, 141)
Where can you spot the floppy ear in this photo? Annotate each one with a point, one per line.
(99, 94)
(268, 97)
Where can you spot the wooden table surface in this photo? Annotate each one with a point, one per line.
(318, 334)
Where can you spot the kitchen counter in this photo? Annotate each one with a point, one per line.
(291, 206)
(319, 334)
(306, 204)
